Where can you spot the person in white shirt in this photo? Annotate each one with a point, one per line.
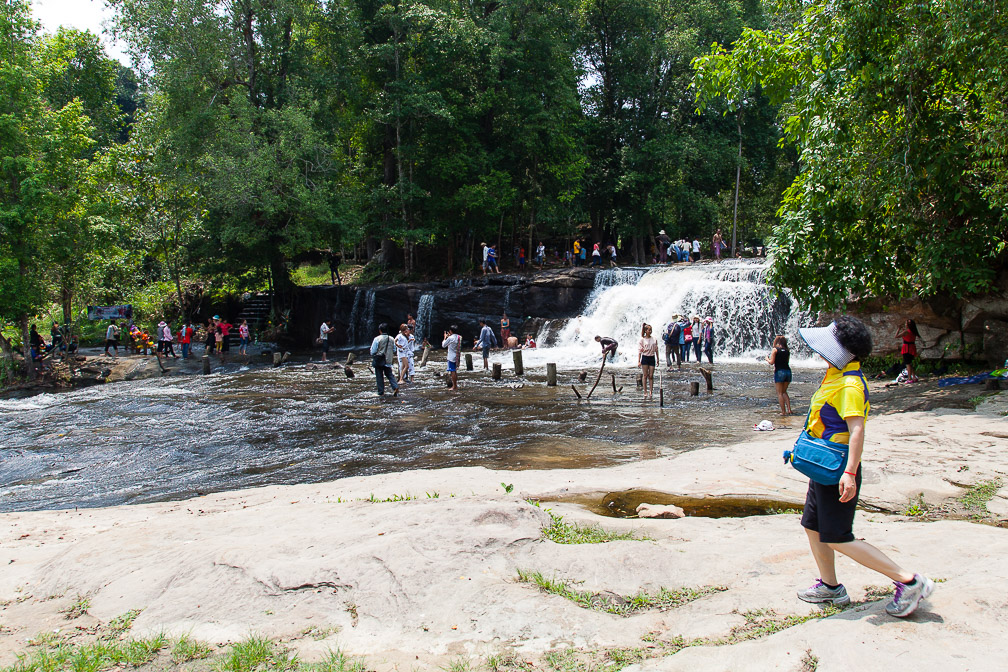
(402, 352)
(324, 331)
(453, 341)
(696, 250)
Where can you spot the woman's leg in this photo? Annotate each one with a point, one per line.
(787, 398)
(867, 555)
(825, 560)
(780, 397)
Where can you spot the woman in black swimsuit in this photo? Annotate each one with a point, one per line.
(780, 357)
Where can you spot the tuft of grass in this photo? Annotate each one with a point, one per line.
(508, 662)
(612, 603)
(187, 649)
(79, 607)
(247, 655)
(778, 512)
(916, 509)
(976, 497)
(319, 633)
(809, 662)
(122, 623)
(458, 664)
(979, 399)
(873, 593)
(562, 532)
(508, 487)
(336, 661)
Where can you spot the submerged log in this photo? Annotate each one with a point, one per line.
(613, 375)
(694, 389)
(601, 369)
(426, 354)
(496, 371)
(551, 377)
(469, 363)
(576, 392)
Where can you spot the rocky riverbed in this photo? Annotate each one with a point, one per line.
(431, 569)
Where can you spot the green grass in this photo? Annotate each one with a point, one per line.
(976, 497)
(916, 509)
(122, 623)
(96, 656)
(311, 274)
(620, 605)
(79, 607)
(979, 399)
(562, 532)
(187, 649)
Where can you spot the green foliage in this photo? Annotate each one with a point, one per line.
(890, 107)
(977, 496)
(611, 603)
(561, 532)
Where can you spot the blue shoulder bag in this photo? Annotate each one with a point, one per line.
(821, 460)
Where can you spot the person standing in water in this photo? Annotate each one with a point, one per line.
(697, 337)
(325, 329)
(453, 341)
(838, 412)
(780, 359)
(505, 331)
(486, 341)
(382, 352)
(402, 352)
(647, 358)
(708, 339)
(909, 334)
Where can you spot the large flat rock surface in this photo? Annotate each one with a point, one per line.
(422, 581)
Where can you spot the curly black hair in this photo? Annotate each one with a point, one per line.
(854, 335)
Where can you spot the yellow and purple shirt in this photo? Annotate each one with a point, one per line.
(842, 394)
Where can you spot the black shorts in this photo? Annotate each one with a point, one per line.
(647, 360)
(325, 345)
(226, 343)
(825, 514)
(908, 359)
(111, 343)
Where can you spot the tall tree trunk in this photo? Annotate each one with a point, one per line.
(30, 373)
(738, 178)
(66, 298)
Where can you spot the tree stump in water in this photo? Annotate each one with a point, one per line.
(707, 377)
(496, 371)
(469, 364)
(519, 368)
(426, 354)
(206, 364)
(349, 359)
(551, 378)
(613, 376)
(694, 389)
(276, 358)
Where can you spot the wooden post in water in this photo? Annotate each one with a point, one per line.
(576, 392)
(423, 358)
(518, 366)
(694, 389)
(469, 364)
(710, 380)
(613, 375)
(661, 397)
(276, 358)
(206, 364)
(496, 371)
(551, 374)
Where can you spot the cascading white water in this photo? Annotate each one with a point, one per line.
(747, 312)
(423, 319)
(362, 324)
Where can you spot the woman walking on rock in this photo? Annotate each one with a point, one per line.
(838, 412)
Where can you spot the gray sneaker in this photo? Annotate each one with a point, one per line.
(909, 595)
(820, 593)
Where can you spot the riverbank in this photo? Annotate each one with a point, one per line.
(420, 569)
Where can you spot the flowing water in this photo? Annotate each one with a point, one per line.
(177, 437)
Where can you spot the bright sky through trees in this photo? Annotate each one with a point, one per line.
(80, 14)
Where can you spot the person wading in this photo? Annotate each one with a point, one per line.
(382, 352)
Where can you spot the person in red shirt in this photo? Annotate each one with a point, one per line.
(185, 338)
(225, 328)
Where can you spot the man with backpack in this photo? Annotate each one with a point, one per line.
(671, 339)
(382, 354)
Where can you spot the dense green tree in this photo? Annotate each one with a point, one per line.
(896, 110)
(41, 171)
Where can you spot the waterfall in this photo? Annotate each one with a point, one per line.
(423, 318)
(747, 312)
(362, 326)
